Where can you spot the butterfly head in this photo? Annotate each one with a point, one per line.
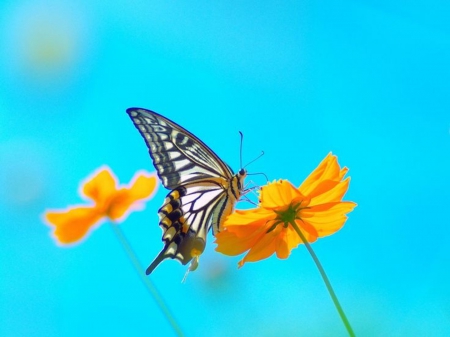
(239, 178)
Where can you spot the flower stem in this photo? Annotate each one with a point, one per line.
(325, 279)
(147, 282)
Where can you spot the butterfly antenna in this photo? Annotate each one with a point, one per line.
(240, 147)
(262, 154)
(258, 173)
(245, 198)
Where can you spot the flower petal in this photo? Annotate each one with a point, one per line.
(235, 243)
(249, 217)
(279, 194)
(308, 230)
(328, 169)
(100, 186)
(142, 187)
(290, 241)
(327, 218)
(335, 192)
(342, 173)
(284, 243)
(263, 248)
(73, 224)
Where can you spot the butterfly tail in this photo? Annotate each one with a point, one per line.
(161, 256)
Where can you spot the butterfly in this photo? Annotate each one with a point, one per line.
(203, 188)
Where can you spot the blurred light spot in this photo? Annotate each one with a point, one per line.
(22, 173)
(45, 42)
(47, 49)
(215, 272)
(215, 269)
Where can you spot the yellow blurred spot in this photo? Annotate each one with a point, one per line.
(49, 49)
(45, 42)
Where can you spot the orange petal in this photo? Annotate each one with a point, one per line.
(289, 241)
(282, 248)
(141, 188)
(327, 218)
(335, 192)
(308, 236)
(246, 231)
(255, 216)
(72, 224)
(100, 186)
(263, 248)
(293, 239)
(342, 173)
(327, 169)
(143, 185)
(235, 243)
(322, 187)
(279, 194)
(307, 229)
(328, 209)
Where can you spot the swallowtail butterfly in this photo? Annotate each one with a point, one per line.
(203, 189)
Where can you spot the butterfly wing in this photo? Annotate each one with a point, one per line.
(203, 188)
(178, 155)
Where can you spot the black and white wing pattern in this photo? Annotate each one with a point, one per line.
(203, 189)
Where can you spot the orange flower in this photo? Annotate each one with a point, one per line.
(110, 201)
(316, 208)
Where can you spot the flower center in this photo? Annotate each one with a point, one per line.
(287, 216)
(290, 214)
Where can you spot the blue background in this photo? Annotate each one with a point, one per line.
(369, 82)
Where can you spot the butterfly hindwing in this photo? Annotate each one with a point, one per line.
(203, 188)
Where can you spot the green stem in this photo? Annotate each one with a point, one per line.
(147, 282)
(325, 279)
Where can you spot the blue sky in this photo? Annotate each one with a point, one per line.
(368, 82)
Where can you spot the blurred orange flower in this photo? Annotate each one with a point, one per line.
(110, 201)
(316, 208)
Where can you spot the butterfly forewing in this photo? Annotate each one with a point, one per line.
(203, 188)
(178, 155)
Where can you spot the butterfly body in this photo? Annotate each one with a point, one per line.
(203, 188)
